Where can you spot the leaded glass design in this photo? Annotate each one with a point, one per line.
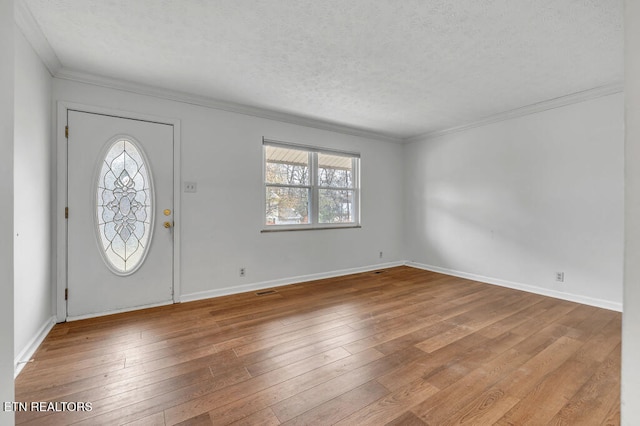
(124, 207)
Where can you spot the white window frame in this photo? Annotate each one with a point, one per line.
(313, 187)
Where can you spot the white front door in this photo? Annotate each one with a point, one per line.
(120, 217)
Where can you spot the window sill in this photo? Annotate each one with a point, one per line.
(316, 228)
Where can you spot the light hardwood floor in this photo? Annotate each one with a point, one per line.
(398, 347)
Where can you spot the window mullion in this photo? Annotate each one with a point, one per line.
(337, 188)
(313, 161)
(284, 185)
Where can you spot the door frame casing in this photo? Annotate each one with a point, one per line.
(60, 223)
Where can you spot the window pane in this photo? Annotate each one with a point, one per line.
(123, 207)
(335, 206)
(335, 171)
(287, 206)
(286, 166)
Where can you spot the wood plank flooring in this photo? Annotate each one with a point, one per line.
(398, 347)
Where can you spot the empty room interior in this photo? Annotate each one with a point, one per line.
(340, 212)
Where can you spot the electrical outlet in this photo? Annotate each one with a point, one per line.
(190, 187)
(380, 255)
(243, 272)
(560, 277)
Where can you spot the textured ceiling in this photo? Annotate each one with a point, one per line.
(396, 67)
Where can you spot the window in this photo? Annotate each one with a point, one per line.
(309, 188)
(124, 207)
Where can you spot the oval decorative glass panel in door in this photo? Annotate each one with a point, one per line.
(124, 201)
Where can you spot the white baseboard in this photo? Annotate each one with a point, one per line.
(23, 357)
(284, 281)
(26, 354)
(600, 303)
(585, 300)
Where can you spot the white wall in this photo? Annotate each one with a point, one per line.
(6, 207)
(221, 223)
(631, 315)
(515, 201)
(32, 202)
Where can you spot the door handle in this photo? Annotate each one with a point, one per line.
(167, 225)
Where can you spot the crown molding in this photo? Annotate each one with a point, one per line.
(158, 92)
(34, 35)
(558, 102)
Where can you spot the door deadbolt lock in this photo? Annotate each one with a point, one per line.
(167, 212)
